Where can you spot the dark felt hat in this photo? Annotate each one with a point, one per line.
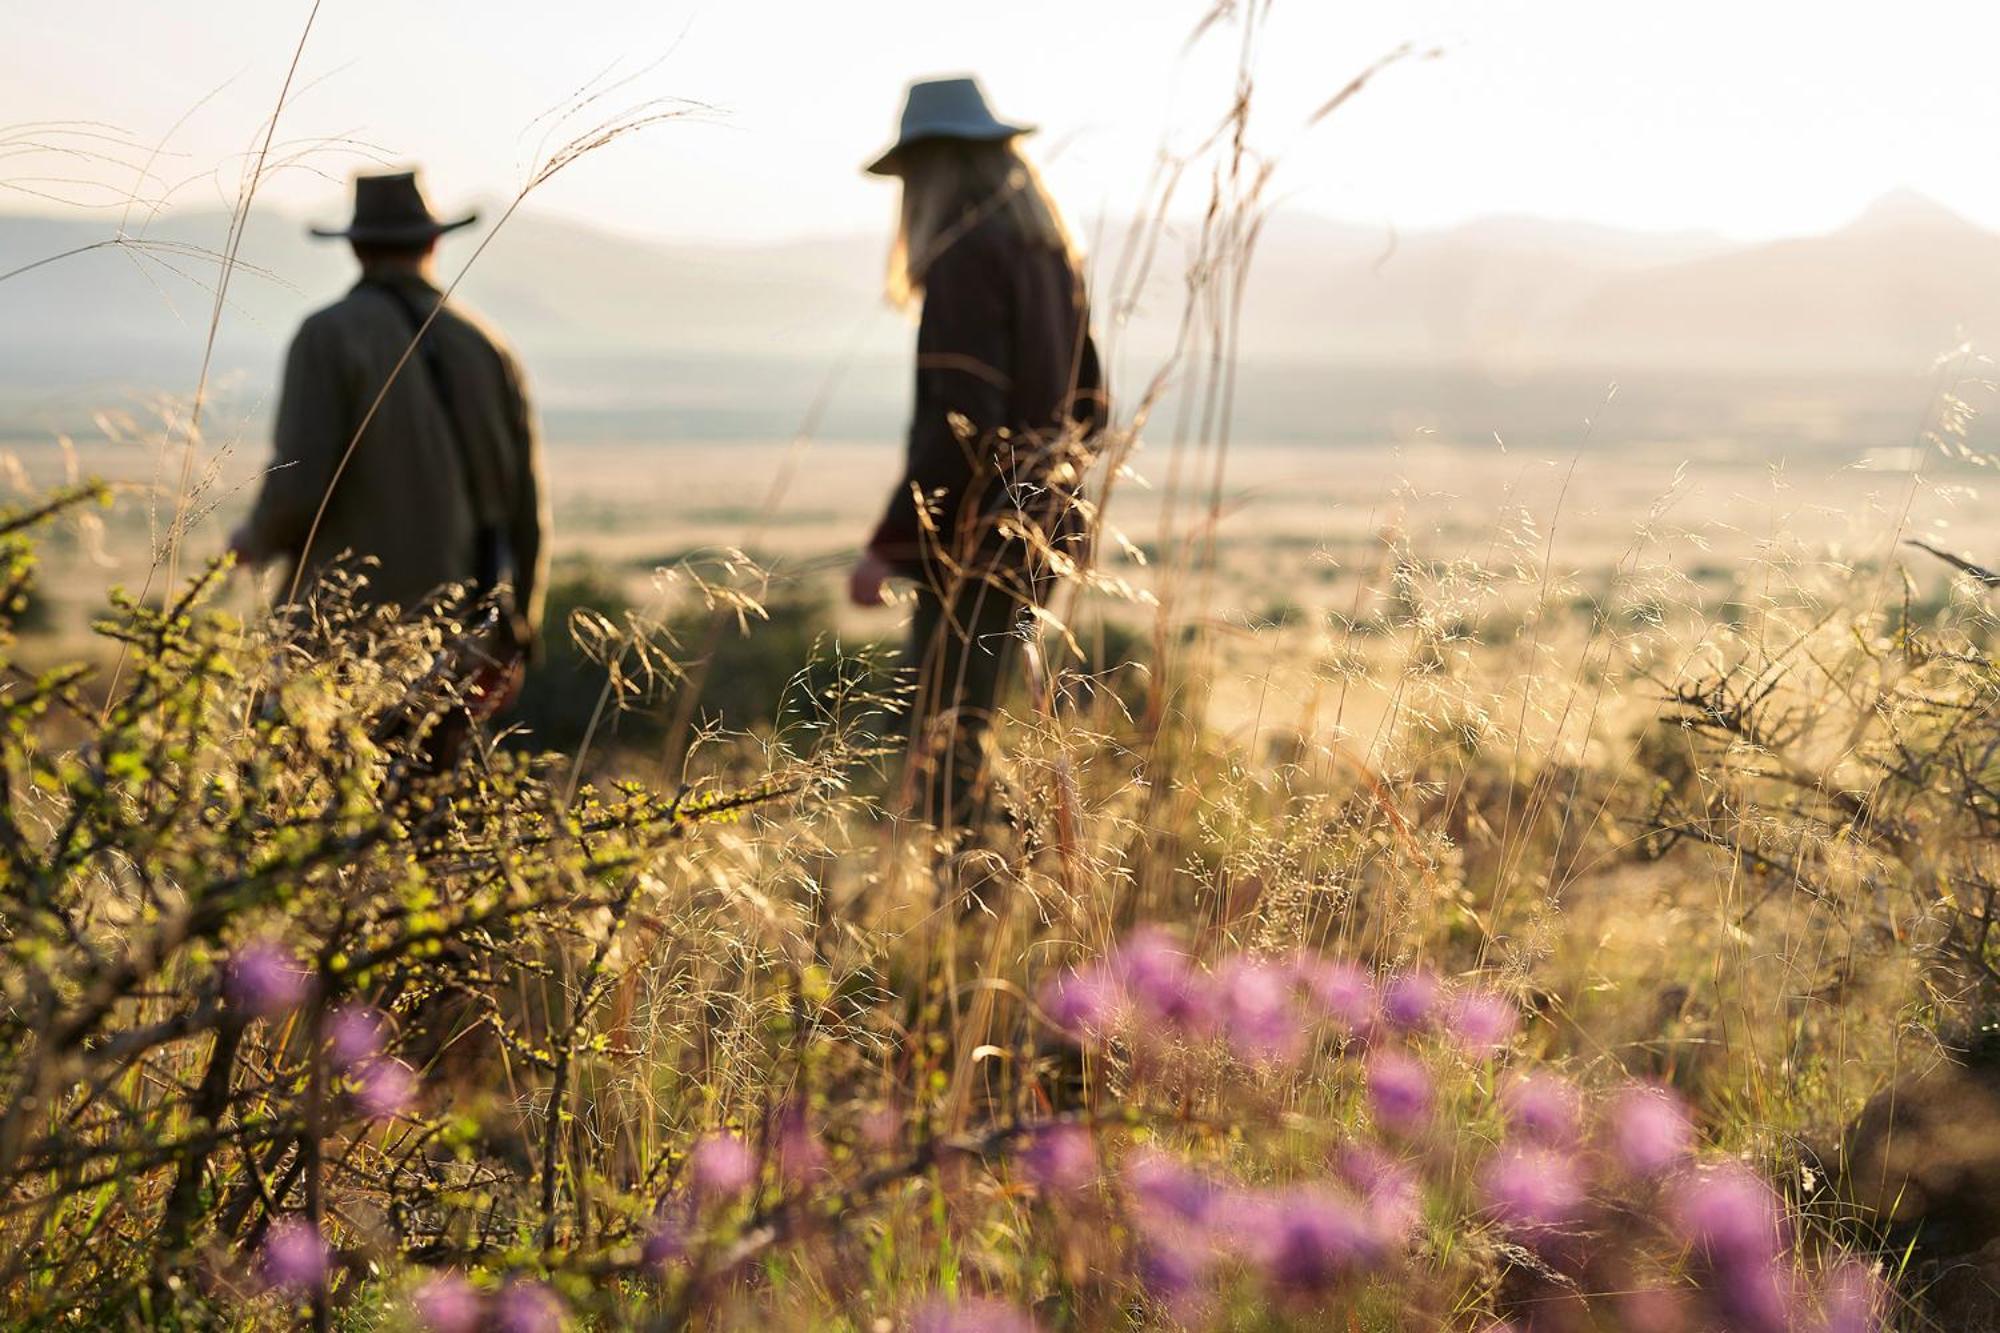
(390, 210)
(952, 108)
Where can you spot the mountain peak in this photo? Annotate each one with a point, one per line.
(1906, 208)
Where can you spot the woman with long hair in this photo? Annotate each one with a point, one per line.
(1009, 393)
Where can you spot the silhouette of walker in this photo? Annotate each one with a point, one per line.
(424, 462)
(1008, 393)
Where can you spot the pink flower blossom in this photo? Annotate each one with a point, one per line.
(1754, 1297)
(1410, 1000)
(1166, 1191)
(1734, 1224)
(1176, 1278)
(971, 1315)
(1389, 1189)
(800, 1155)
(721, 1166)
(1306, 1240)
(527, 1307)
(1650, 1130)
(881, 1126)
(1729, 1215)
(446, 1303)
(295, 1258)
(1083, 1004)
(1158, 976)
(1856, 1301)
(266, 980)
(666, 1240)
(1254, 1006)
(1534, 1192)
(1652, 1310)
(1482, 1021)
(1060, 1158)
(1542, 1108)
(1342, 992)
(383, 1088)
(1399, 1091)
(354, 1033)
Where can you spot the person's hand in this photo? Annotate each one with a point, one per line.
(865, 584)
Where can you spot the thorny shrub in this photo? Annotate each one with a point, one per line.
(300, 1027)
(283, 1001)
(1849, 758)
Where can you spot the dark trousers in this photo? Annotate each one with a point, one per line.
(962, 650)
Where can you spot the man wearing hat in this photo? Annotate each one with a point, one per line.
(427, 466)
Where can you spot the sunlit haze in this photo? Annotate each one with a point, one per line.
(1752, 120)
(1376, 711)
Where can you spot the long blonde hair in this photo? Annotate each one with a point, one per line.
(949, 186)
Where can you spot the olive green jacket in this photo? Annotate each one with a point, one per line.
(403, 498)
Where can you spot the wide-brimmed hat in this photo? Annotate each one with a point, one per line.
(390, 210)
(952, 108)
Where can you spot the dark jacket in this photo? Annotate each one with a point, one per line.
(405, 498)
(1008, 389)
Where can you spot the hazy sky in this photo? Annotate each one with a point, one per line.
(1753, 117)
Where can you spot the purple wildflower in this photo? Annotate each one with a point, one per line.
(1159, 977)
(1388, 1188)
(1060, 1158)
(295, 1258)
(1533, 1191)
(1733, 1222)
(527, 1307)
(1310, 1239)
(1172, 1207)
(446, 1303)
(800, 1154)
(666, 1240)
(881, 1126)
(721, 1166)
(1342, 992)
(1175, 1277)
(354, 1034)
(1084, 1004)
(1152, 964)
(1729, 1215)
(1542, 1108)
(1482, 1021)
(1239, 1219)
(1650, 1130)
(1399, 1091)
(1753, 1298)
(1652, 1310)
(974, 1315)
(1254, 1006)
(265, 980)
(384, 1088)
(1855, 1301)
(1410, 1000)
(1166, 1191)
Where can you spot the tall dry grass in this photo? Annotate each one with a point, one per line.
(1376, 1009)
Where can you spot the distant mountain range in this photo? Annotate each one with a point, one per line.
(637, 337)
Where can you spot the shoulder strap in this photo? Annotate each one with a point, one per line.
(479, 486)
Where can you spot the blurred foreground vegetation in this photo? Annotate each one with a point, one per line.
(1533, 977)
